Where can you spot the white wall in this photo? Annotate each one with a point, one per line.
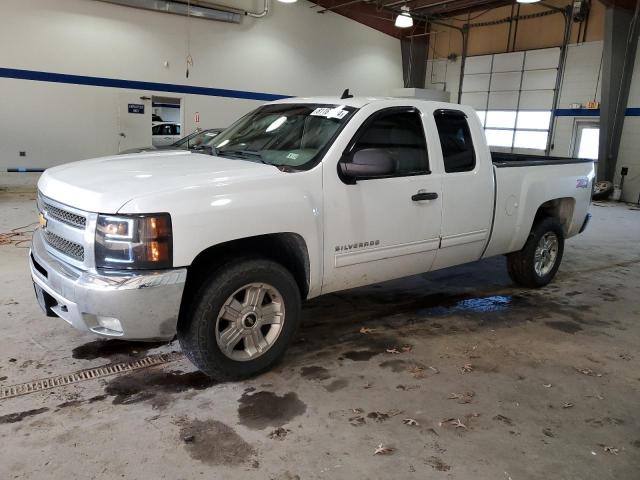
(581, 83)
(293, 51)
(629, 153)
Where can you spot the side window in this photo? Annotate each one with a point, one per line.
(401, 135)
(176, 129)
(455, 139)
(156, 129)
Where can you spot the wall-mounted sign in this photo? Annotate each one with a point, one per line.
(136, 108)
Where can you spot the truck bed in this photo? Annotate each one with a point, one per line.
(506, 160)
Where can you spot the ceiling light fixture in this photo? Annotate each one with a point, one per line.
(527, 1)
(404, 20)
(287, 1)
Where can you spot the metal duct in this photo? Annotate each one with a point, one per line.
(169, 6)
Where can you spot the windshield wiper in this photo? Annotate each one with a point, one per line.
(210, 150)
(243, 154)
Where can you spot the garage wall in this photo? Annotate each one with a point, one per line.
(293, 51)
(580, 84)
(530, 34)
(629, 153)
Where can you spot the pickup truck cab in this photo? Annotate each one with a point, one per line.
(299, 198)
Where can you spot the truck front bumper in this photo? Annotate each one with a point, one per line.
(141, 305)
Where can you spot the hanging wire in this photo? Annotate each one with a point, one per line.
(189, 57)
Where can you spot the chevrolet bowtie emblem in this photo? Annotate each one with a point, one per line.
(42, 220)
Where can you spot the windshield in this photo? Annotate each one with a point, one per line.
(286, 135)
(196, 139)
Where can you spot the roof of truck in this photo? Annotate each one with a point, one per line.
(356, 102)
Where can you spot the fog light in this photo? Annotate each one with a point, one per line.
(110, 323)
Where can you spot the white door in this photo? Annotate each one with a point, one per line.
(467, 186)
(134, 121)
(382, 228)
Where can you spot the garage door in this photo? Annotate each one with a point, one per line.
(513, 94)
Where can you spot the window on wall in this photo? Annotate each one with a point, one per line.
(516, 129)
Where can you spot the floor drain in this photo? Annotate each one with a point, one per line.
(89, 374)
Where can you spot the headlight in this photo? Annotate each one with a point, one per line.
(134, 241)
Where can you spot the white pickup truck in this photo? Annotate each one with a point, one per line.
(298, 198)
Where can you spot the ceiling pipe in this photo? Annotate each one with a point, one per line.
(205, 10)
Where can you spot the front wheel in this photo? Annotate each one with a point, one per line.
(242, 320)
(537, 263)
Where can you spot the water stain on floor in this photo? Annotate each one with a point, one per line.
(214, 443)
(156, 387)
(396, 365)
(315, 372)
(114, 350)
(360, 355)
(567, 327)
(266, 409)
(336, 385)
(19, 416)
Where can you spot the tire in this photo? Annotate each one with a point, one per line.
(602, 190)
(522, 265)
(235, 288)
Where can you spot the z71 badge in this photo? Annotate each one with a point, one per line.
(582, 183)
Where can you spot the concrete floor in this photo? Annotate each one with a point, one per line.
(504, 383)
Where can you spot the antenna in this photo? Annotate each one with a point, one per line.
(346, 94)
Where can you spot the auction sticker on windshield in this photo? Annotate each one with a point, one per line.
(337, 112)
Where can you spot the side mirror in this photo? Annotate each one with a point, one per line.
(367, 163)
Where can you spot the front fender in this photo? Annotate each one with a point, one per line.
(203, 216)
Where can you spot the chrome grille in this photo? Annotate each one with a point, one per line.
(64, 246)
(62, 215)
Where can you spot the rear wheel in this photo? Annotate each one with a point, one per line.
(242, 319)
(537, 263)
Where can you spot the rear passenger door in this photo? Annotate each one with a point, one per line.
(468, 188)
(387, 227)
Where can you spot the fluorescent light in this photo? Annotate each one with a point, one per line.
(404, 20)
(527, 1)
(287, 1)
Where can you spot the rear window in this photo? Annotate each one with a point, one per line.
(455, 140)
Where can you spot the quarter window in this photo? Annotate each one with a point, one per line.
(456, 142)
(401, 135)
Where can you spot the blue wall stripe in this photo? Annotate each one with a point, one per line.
(577, 112)
(135, 84)
(589, 112)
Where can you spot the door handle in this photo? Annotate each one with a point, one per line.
(424, 196)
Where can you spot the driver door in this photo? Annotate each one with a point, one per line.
(378, 229)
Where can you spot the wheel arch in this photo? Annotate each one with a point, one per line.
(287, 248)
(561, 209)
